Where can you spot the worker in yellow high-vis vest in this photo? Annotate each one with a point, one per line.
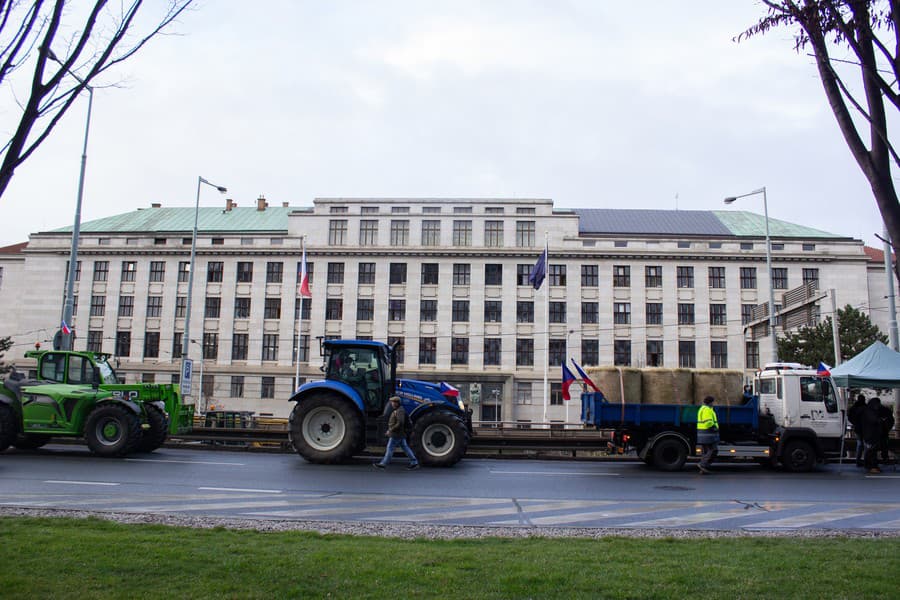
(707, 434)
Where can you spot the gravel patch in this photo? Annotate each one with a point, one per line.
(409, 531)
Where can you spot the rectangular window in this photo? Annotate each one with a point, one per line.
(493, 311)
(274, 272)
(718, 355)
(98, 306)
(654, 353)
(459, 351)
(368, 232)
(396, 310)
(654, 314)
(210, 345)
(524, 311)
(622, 313)
(590, 352)
(154, 306)
(427, 350)
(746, 313)
(397, 273)
(717, 277)
(270, 346)
(431, 233)
(244, 272)
(590, 312)
(811, 276)
(522, 273)
(237, 386)
(752, 355)
(123, 343)
(809, 247)
(685, 313)
(493, 274)
(717, 314)
(524, 392)
(779, 278)
(272, 308)
(302, 308)
(462, 233)
(365, 309)
(177, 344)
(492, 351)
(746, 245)
(557, 274)
(687, 354)
(337, 232)
(524, 352)
(240, 344)
(399, 233)
(151, 344)
(429, 273)
(101, 270)
(462, 274)
(241, 307)
(748, 278)
(180, 307)
(157, 271)
(400, 345)
(184, 271)
(621, 276)
(213, 308)
(334, 309)
(335, 272)
(653, 277)
(622, 353)
(366, 273)
(428, 310)
(493, 234)
(557, 312)
(590, 276)
(267, 387)
(460, 311)
(525, 236)
(129, 268)
(95, 341)
(685, 276)
(300, 348)
(214, 271)
(126, 306)
(556, 352)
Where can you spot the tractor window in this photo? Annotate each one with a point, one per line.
(107, 375)
(79, 369)
(53, 367)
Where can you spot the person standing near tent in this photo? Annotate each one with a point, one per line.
(854, 415)
(886, 416)
(870, 428)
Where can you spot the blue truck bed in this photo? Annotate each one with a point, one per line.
(596, 410)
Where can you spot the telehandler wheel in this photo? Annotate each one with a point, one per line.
(669, 454)
(798, 457)
(7, 427)
(439, 439)
(156, 435)
(112, 430)
(30, 441)
(325, 428)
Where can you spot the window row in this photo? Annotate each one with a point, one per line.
(430, 233)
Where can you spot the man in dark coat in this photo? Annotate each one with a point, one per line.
(886, 416)
(870, 427)
(853, 415)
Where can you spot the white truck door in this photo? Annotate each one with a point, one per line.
(818, 407)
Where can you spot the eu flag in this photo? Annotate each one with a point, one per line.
(538, 271)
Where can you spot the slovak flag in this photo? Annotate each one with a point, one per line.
(448, 390)
(567, 379)
(584, 376)
(303, 278)
(65, 328)
(823, 370)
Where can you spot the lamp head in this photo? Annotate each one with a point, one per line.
(221, 189)
(730, 199)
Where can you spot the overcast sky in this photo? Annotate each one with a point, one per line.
(590, 103)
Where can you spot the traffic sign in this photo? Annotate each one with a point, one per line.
(187, 372)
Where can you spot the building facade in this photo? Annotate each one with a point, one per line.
(447, 278)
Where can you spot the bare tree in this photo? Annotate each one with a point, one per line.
(869, 29)
(102, 38)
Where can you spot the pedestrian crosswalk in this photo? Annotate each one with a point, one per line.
(736, 514)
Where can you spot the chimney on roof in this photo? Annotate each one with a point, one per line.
(156, 205)
(284, 205)
(229, 204)
(261, 203)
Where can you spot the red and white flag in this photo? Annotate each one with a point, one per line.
(303, 278)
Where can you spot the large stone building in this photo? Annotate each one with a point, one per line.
(446, 277)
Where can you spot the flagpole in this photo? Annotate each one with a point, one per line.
(300, 316)
(546, 325)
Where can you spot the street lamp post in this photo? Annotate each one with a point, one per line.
(185, 346)
(762, 191)
(66, 339)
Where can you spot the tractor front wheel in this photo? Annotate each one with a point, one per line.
(31, 441)
(154, 436)
(440, 439)
(325, 428)
(7, 427)
(112, 430)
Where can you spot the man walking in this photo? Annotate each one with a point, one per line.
(396, 433)
(707, 434)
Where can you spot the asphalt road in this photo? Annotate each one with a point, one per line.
(515, 493)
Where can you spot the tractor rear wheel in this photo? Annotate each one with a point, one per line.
(30, 441)
(325, 428)
(156, 435)
(440, 439)
(112, 430)
(7, 427)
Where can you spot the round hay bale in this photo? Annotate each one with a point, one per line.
(725, 385)
(609, 382)
(667, 386)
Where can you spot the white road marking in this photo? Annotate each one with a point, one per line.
(557, 473)
(185, 462)
(247, 490)
(818, 518)
(107, 483)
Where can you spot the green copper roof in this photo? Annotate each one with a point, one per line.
(742, 223)
(167, 220)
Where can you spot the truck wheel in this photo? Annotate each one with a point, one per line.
(669, 454)
(7, 427)
(30, 441)
(325, 429)
(798, 457)
(439, 439)
(156, 435)
(112, 430)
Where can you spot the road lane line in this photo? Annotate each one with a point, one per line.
(185, 462)
(107, 483)
(818, 518)
(556, 473)
(247, 490)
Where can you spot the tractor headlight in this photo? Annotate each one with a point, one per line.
(462, 406)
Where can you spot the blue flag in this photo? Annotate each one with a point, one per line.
(538, 271)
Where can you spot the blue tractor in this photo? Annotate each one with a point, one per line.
(337, 417)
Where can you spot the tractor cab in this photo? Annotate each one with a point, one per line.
(73, 367)
(367, 367)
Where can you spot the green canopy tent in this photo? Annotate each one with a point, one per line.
(875, 367)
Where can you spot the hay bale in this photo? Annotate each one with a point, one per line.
(607, 379)
(667, 386)
(725, 385)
